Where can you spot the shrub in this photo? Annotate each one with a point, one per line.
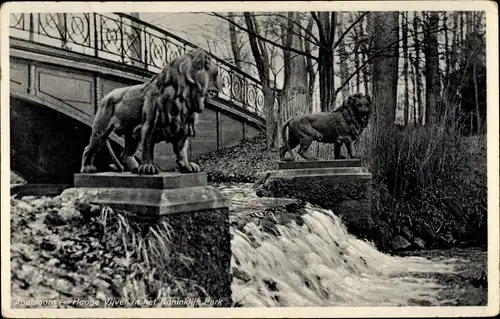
(430, 179)
(434, 182)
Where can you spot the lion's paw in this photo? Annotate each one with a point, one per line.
(146, 169)
(88, 169)
(190, 168)
(116, 168)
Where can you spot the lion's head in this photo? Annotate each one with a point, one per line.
(360, 105)
(195, 76)
(202, 76)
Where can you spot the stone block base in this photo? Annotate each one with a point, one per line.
(198, 216)
(346, 190)
(204, 238)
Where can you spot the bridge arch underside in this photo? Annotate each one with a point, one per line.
(46, 145)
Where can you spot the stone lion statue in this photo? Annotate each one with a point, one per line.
(162, 109)
(341, 127)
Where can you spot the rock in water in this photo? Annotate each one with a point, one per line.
(54, 219)
(419, 243)
(407, 233)
(400, 243)
(53, 262)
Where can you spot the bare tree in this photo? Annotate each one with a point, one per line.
(446, 47)
(356, 38)
(419, 87)
(310, 65)
(261, 57)
(406, 105)
(325, 22)
(365, 49)
(385, 68)
(325, 44)
(235, 48)
(414, 85)
(432, 74)
(344, 72)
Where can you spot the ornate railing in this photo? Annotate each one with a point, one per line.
(126, 39)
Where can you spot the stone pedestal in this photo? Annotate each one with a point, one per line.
(198, 215)
(344, 186)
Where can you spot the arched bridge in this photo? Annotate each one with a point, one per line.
(62, 64)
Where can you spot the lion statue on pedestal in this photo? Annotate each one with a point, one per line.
(340, 127)
(162, 109)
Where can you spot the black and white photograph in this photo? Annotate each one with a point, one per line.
(257, 159)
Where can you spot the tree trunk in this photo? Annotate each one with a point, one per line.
(469, 22)
(310, 68)
(294, 96)
(385, 79)
(357, 53)
(235, 48)
(446, 48)
(326, 80)
(406, 106)
(326, 63)
(462, 38)
(414, 85)
(454, 43)
(344, 72)
(476, 98)
(298, 67)
(260, 55)
(367, 48)
(433, 83)
(419, 104)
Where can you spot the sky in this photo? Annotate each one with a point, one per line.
(194, 27)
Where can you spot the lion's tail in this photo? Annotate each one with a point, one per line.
(283, 131)
(114, 158)
(107, 106)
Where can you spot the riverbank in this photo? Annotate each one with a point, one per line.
(241, 163)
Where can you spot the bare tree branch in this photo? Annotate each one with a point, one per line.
(234, 41)
(349, 29)
(258, 36)
(308, 32)
(287, 56)
(255, 48)
(375, 55)
(320, 26)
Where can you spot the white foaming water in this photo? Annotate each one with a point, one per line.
(320, 264)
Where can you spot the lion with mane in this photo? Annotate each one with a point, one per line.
(162, 109)
(341, 127)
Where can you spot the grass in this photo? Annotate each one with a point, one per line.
(146, 252)
(63, 247)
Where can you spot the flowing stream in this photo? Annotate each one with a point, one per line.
(318, 263)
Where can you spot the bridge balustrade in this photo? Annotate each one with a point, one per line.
(122, 38)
